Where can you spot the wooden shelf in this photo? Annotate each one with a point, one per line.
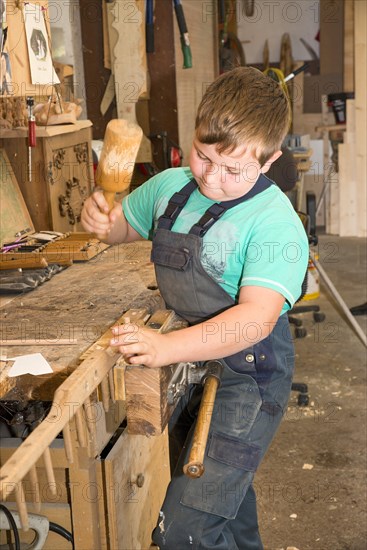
(46, 131)
(330, 127)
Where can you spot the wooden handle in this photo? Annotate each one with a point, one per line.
(195, 465)
(110, 199)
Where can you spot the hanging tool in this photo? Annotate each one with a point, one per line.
(249, 7)
(184, 34)
(149, 26)
(312, 53)
(211, 381)
(120, 147)
(231, 52)
(278, 75)
(296, 72)
(31, 134)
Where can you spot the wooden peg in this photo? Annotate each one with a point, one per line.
(111, 384)
(21, 506)
(80, 428)
(90, 417)
(68, 443)
(34, 481)
(105, 390)
(49, 470)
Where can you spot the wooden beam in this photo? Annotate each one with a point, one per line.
(147, 409)
(348, 75)
(360, 27)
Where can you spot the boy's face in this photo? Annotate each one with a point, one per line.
(223, 177)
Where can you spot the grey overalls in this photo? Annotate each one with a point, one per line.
(218, 510)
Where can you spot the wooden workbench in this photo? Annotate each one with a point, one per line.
(98, 496)
(79, 304)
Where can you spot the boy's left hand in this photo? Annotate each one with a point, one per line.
(140, 346)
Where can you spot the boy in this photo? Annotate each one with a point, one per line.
(230, 256)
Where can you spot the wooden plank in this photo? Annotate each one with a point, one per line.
(147, 410)
(331, 35)
(46, 131)
(36, 342)
(102, 508)
(347, 198)
(84, 504)
(136, 474)
(347, 174)
(360, 26)
(348, 76)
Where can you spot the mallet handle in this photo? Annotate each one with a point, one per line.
(110, 199)
(195, 465)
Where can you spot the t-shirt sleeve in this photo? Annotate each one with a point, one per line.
(138, 207)
(277, 258)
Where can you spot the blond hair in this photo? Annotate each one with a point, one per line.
(244, 107)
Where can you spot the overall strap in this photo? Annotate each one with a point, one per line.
(175, 205)
(217, 210)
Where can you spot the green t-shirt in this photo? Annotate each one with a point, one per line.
(259, 242)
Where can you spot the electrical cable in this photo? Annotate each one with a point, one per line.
(12, 525)
(56, 528)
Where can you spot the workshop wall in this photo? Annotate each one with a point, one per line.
(201, 19)
(270, 20)
(316, 33)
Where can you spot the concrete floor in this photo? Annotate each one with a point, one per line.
(311, 487)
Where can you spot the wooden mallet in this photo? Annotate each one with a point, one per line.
(116, 164)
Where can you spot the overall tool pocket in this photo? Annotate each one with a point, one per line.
(174, 258)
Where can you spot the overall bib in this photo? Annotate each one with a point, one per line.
(218, 510)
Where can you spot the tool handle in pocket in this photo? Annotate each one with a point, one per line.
(195, 465)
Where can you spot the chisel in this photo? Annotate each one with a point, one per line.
(31, 134)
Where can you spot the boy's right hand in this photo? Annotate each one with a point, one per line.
(96, 218)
